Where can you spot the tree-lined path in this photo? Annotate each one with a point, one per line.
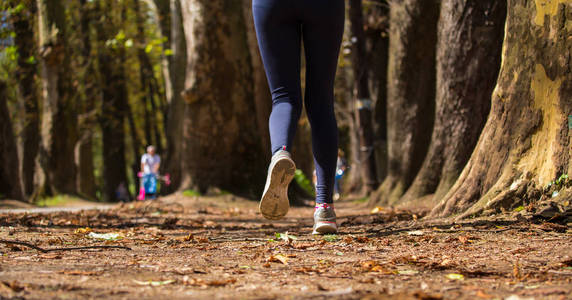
(220, 247)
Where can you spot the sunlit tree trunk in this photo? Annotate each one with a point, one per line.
(168, 15)
(527, 139)
(222, 141)
(468, 61)
(410, 93)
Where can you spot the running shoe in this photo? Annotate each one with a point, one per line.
(274, 204)
(324, 219)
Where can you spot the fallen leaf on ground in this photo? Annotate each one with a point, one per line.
(376, 210)
(153, 283)
(483, 295)
(407, 272)
(416, 232)
(454, 276)
(278, 258)
(82, 230)
(201, 282)
(78, 272)
(112, 236)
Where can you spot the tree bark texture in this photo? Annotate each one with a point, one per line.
(87, 120)
(362, 99)
(23, 25)
(222, 141)
(410, 93)
(176, 106)
(376, 31)
(59, 117)
(526, 141)
(468, 61)
(10, 184)
(113, 105)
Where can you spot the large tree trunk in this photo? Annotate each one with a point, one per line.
(174, 66)
(23, 25)
(526, 141)
(363, 103)
(262, 98)
(377, 28)
(59, 118)
(87, 120)
(468, 61)
(222, 141)
(114, 103)
(10, 184)
(411, 93)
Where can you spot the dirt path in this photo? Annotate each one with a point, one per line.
(222, 248)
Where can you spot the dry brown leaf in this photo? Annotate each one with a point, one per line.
(362, 239)
(464, 239)
(483, 295)
(278, 258)
(82, 273)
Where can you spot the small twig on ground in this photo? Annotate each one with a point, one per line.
(60, 249)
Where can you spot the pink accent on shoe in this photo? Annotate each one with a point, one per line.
(324, 205)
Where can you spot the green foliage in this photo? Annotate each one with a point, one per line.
(304, 182)
(57, 200)
(559, 182)
(191, 193)
(330, 238)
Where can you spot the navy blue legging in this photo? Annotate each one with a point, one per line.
(281, 26)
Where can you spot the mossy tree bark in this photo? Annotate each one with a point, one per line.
(10, 184)
(23, 25)
(468, 60)
(526, 141)
(410, 93)
(222, 141)
(59, 115)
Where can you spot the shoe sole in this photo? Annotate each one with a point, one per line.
(325, 228)
(274, 204)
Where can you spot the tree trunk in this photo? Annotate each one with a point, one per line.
(262, 97)
(10, 184)
(59, 118)
(147, 83)
(376, 31)
(468, 61)
(410, 93)
(170, 22)
(114, 102)
(526, 141)
(362, 99)
(87, 121)
(222, 141)
(23, 26)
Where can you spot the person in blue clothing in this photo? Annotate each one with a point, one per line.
(281, 28)
(150, 163)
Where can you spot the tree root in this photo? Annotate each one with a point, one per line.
(60, 249)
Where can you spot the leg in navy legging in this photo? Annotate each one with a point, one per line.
(322, 35)
(279, 38)
(280, 25)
